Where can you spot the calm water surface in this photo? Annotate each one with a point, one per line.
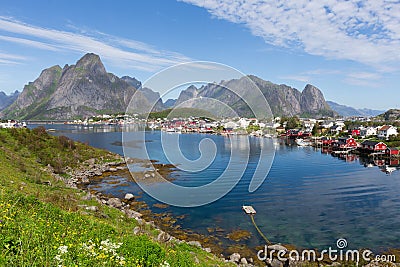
(309, 199)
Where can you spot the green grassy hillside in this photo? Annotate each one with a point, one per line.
(42, 223)
(181, 113)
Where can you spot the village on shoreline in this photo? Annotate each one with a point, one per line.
(372, 135)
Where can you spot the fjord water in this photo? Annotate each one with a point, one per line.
(309, 199)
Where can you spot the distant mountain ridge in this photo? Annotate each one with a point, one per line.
(170, 103)
(283, 100)
(6, 100)
(80, 90)
(347, 111)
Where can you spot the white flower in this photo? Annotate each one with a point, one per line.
(58, 258)
(164, 264)
(63, 249)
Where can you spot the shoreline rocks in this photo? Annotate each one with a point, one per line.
(129, 196)
(81, 178)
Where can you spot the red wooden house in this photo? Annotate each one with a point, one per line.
(355, 132)
(373, 146)
(327, 141)
(393, 162)
(294, 133)
(392, 151)
(345, 142)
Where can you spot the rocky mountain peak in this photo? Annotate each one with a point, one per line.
(192, 88)
(81, 90)
(309, 88)
(92, 63)
(185, 95)
(312, 100)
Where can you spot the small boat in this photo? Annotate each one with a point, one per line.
(389, 170)
(51, 130)
(302, 142)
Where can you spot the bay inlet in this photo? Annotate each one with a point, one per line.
(309, 199)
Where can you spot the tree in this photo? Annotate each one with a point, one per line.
(293, 123)
(315, 129)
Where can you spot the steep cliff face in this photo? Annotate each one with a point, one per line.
(312, 101)
(80, 90)
(283, 100)
(185, 95)
(35, 95)
(86, 88)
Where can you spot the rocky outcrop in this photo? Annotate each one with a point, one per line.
(312, 101)
(80, 90)
(390, 115)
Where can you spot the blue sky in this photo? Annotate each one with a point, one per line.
(348, 49)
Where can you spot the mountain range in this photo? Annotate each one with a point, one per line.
(283, 100)
(86, 89)
(80, 90)
(347, 111)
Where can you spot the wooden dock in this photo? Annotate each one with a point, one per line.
(249, 210)
(376, 154)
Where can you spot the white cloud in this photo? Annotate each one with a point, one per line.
(363, 31)
(27, 42)
(366, 79)
(365, 75)
(322, 72)
(299, 78)
(120, 52)
(363, 83)
(7, 58)
(309, 75)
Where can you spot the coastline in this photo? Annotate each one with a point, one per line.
(43, 212)
(138, 210)
(105, 169)
(133, 208)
